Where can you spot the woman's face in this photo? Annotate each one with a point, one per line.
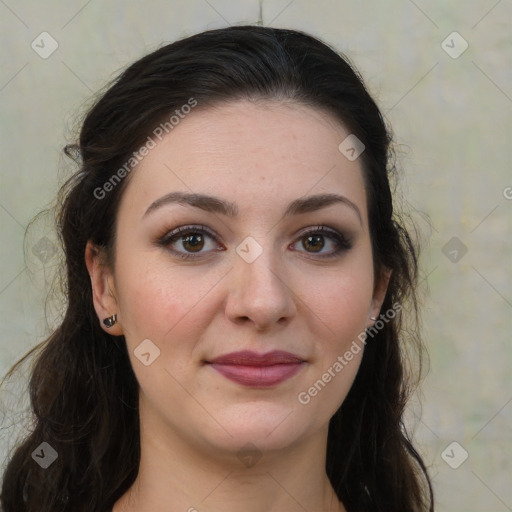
(262, 277)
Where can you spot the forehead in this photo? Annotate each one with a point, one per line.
(258, 154)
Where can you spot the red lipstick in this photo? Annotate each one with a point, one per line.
(258, 370)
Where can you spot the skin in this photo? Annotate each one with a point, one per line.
(262, 156)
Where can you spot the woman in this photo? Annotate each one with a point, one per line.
(236, 278)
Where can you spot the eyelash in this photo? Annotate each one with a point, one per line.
(342, 242)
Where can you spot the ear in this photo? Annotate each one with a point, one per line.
(103, 288)
(379, 293)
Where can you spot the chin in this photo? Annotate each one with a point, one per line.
(267, 427)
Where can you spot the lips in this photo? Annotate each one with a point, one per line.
(248, 358)
(258, 370)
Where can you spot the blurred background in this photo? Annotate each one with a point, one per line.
(440, 70)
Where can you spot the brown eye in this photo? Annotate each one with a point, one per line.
(189, 241)
(193, 242)
(315, 243)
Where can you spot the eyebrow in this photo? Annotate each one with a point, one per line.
(216, 205)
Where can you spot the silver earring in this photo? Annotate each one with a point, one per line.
(110, 321)
(373, 318)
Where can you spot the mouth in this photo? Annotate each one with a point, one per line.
(258, 370)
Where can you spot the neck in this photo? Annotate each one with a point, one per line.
(177, 476)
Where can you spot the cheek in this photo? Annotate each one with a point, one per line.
(149, 302)
(162, 301)
(161, 306)
(342, 299)
(342, 304)
(343, 308)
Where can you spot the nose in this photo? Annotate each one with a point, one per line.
(260, 293)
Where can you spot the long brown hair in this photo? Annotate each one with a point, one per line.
(83, 392)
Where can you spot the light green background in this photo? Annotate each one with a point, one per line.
(452, 122)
